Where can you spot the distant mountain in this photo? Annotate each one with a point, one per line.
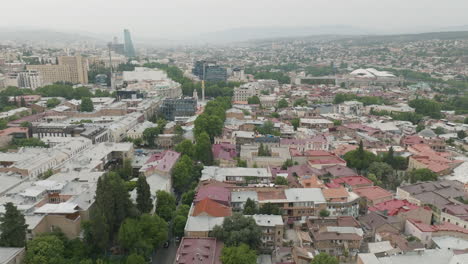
(255, 33)
(39, 35)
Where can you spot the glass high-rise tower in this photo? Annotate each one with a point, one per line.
(129, 50)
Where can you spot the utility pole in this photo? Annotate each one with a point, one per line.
(109, 45)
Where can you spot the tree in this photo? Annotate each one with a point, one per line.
(426, 107)
(181, 174)
(295, 123)
(263, 151)
(241, 163)
(96, 232)
(250, 208)
(439, 130)
(461, 134)
(374, 179)
(420, 127)
(135, 259)
(143, 234)
(12, 227)
(126, 171)
(269, 209)
(241, 254)
(324, 213)
(324, 258)
(186, 147)
(113, 202)
(165, 205)
(45, 249)
(144, 201)
(282, 103)
(287, 163)
(422, 175)
(359, 158)
(187, 197)
(203, 149)
(52, 102)
(268, 128)
(281, 181)
(253, 100)
(150, 134)
(86, 105)
(384, 173)
(179, 225)
(238, 229)
(300, 102)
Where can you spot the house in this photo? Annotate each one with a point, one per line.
(350, 182)
(272, 227)
(338, 171)
(375, 222)
(335, 236)
(403, 210)
(160, 163)
(425, 232)
(424, 157)
(200, 250)
(340, 202)
(12, 255)
(373, 194)
(428, 256)
(250, 153)
(224, 153)
(438, 193)
(237, 175)
(8, 134)
(239, 198)
(316, 123)
(208, 207)
(201, 226)
(456, 214)
(218, 194)
(327, 162)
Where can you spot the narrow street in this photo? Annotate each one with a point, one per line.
(166, 255)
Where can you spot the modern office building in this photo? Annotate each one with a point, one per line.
(72, 69)
(172, 108)
(209, 71)
(129, 49)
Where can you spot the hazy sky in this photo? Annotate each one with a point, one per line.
(176, 18)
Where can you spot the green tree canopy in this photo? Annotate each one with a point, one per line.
(359, 159)
(324, 258)
(282, 103)
(253, 100)
(86, 105)
(422, 175)
(250, 208)
(52, 102)
(238, 229)
(203, 149)
(12, 227)
(186, 147)
(270, 209)
(45, 249)
(181, 174)
(426, 107)
(144, 201)
(281, 181)
(165, 205)
(241, 254)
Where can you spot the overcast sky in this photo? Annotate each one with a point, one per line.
(177, 18)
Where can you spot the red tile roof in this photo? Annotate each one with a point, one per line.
(352, 181)
(211, 208)
(436, 228)
(206, 250)
(394, 207)
(372, 192)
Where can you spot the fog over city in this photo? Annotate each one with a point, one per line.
(189, 19)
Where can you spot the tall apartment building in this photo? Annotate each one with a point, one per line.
(30, 79)
(72, 69)
(172, 108)
(209, 71)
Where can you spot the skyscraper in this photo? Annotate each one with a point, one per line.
(129, 50)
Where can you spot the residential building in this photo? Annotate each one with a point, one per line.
(373, 195)
(201, 250)
(272, 227)
(72, 69)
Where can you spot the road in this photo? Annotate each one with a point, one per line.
(166, 255)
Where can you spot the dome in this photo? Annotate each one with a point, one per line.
(427, 133)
